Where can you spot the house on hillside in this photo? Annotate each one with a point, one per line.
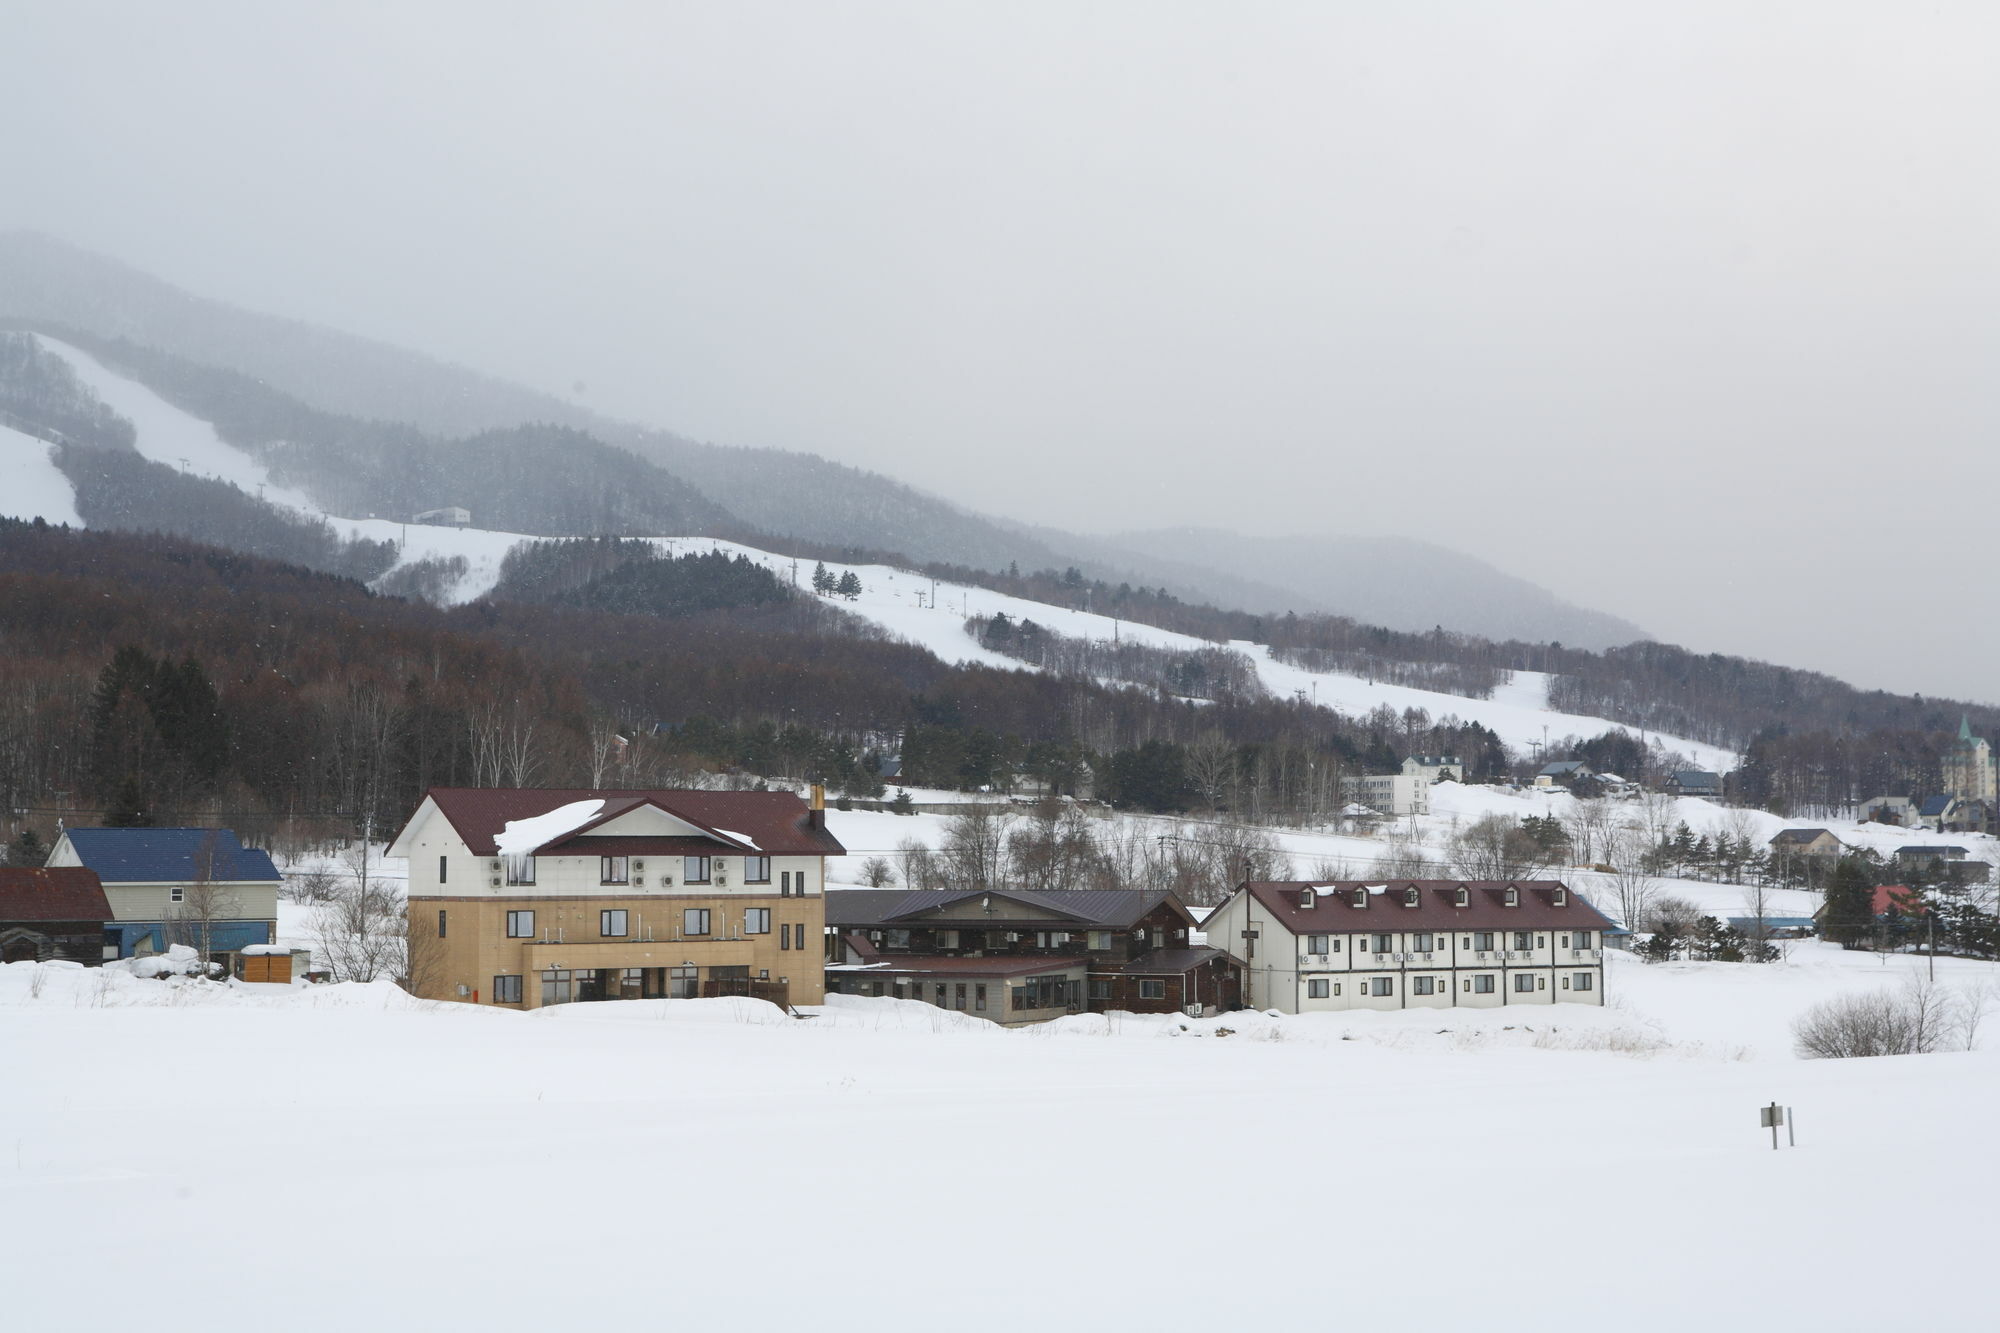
(1899, 811)
(1019, 956)
(451, 516)
(526, 897)
(1773, 927)
(1817, 843)
(1945, 860)
(1563, 773)
(49, 915)
(1413, 944)
(1950, 814)
(200, 887)
(1937, 812)
(1431, 768)
(1696, 782)
(1968, 767)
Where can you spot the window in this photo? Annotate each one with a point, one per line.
(1383, 943)
(1482, 939)
(784, 935)
(1317, 989)
(1423, 986)
(1099, 941)
(1583, 981)
(1464, 897)
(1336, 988)
(557, 987)
(958, 994)
(520, 925)
(1523, 981)
(895, 939)
(440, 923)
(1100, 989)
(756, 870)
(520, 869)
(1582, 938)
(1152, 990)
(614, 870)
(178, 893)
(979, 998)
(940, 995)
(1523, 940)
(947, 939)
(507, 990)
(1336, 944)
(694, 921)
(611, 922)
(1381, 985)
(1513, 896)
(441, 868)
(756, 921)
(694, 870)
(1361, 897)
(1421, 941)
(1483, 985)
(1316, 944)
(784, 883)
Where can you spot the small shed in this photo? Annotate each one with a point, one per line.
(265, 962)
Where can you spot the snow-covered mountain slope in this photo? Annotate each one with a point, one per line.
(168, 435)
(910, 605)
(33, 486)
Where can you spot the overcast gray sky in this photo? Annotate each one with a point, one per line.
(1688, 311)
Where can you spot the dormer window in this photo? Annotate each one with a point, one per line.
(1307, 898)
(1410, 896)
(1561, 896)
(1361, 897)
(1463, 898)
(1513, 896)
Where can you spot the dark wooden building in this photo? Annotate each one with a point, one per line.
(52, 914)
(1018, 956)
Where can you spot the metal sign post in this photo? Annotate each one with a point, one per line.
(1774, 1115)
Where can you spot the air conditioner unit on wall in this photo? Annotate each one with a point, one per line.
(494, 882)
(638, 865)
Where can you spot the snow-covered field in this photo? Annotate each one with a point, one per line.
(34, 487)
(906, 604)
(347, 1158)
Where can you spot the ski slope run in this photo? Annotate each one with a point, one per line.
(912, 606)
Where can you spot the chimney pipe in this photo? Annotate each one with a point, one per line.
(816, 806)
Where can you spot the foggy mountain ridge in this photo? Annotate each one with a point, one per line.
(368, 427)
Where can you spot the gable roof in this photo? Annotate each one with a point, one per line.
(64, 893)
(775, 823)
(1333, 911)
(1931, 849)
(1562, 766)
(1802, 835)
(1937, 805)
(1068, 909)
(1695, 777)
(948, 965)
(170, 855)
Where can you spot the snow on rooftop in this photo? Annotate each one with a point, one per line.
(518, 841)
(743, 838)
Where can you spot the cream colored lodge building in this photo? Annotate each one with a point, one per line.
(1412, 944)
(524, 897)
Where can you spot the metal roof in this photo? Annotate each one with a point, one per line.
(1333, 911)
(170, 855)
(65, 893)
(778, 822)
(1073, 909)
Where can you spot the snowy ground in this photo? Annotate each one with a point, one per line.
(34, 487)
(909, 605)
(347, 1158)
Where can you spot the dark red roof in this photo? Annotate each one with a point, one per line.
(67, 893)
(1165, 962)
(777, 822)
(1333, 911)
(1886, 896)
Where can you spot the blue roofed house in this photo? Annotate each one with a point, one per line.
(195, 886)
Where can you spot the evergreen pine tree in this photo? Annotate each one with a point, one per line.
(849, 585)
(128, 808)
(823, 582)
(27, 850)
(1850, 898)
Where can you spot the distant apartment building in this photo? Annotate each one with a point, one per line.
(1968, 766)
(1389, 793)
(1434, 768)
(526, 897)
(1412, 944)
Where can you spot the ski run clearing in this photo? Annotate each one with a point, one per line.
(904, 603)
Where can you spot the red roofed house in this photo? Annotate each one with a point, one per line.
(526, 897)
(1412, 944)
(50, 914)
